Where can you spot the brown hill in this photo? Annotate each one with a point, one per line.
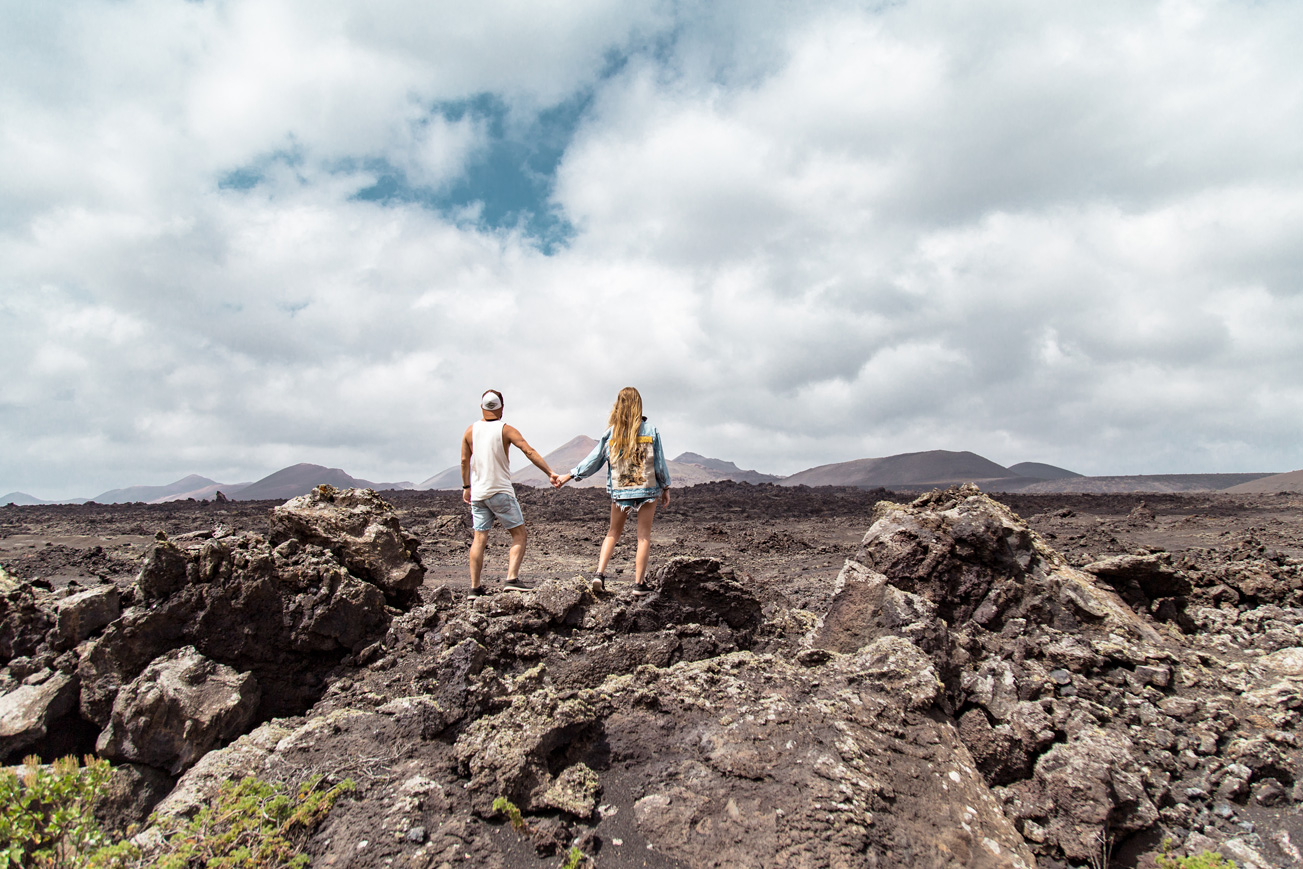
(303, 478)
(934, 467)
(1156, 483)
(1288, 482)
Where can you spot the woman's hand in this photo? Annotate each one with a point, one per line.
(559, 481)
(665, 497)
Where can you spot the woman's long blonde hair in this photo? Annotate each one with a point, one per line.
(625, 422)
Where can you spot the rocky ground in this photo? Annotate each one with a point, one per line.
(819, 680)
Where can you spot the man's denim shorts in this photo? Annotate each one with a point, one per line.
(502, 505)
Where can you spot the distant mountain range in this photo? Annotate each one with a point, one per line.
(905, 472)
(282, 485)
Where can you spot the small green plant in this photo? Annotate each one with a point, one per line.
(504, 806)
(251, 824)
(45, 813)
(46, 822)
(575, 858)
(1205, 860)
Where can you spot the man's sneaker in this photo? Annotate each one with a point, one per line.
(519, 584)
(478, 592)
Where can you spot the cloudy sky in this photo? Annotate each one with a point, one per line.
(240, 234)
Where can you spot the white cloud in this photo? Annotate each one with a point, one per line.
(807, 233)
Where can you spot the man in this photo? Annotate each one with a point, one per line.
(486, 486)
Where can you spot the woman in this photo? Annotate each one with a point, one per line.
(637, 479)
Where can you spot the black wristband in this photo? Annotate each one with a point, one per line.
(465, 487)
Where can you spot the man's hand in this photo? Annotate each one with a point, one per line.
(555, 480)
(559, 480)
(466, 495)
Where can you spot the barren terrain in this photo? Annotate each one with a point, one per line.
(785, 546)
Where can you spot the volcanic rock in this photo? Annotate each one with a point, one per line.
(80, 615)
(177, 709)
(29, 711)
(360, 529)
(281, 613)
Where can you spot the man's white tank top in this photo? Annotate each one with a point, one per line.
(490, 467)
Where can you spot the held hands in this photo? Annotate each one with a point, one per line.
(559, 480)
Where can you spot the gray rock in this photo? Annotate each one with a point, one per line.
(163, 572)
(181, 706)
(1092, 782)
(79, 616)
(361, 529)
(29, 711)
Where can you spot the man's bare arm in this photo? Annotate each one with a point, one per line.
(513, 435)
(466, 465)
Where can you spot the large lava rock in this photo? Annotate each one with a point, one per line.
(283, 613)
(28, 712)
(361, 529)
(181, 706)
(1034, 655)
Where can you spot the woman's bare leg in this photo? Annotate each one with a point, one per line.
(612, 537)
(646, 514)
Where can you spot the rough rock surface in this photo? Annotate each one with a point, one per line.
(176, 710)
(81, 615)
(28, 711)
(361, 530)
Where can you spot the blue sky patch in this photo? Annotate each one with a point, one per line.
(512, 179)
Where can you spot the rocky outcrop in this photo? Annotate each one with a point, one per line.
(176, 710)
(361, 530)
(220, 630)
(282, 613)
(28, 711)
(1063, 683)
(83, 614)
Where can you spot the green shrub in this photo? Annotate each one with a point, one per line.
(45, 814)
(1206, 860)
(504, 806)
(46, 822)
(575, 858)
(251, 824)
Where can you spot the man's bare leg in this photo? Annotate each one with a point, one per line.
(478, 544)
(517, 553)
(612, 537)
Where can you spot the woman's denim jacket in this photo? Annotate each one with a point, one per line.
(638, 476)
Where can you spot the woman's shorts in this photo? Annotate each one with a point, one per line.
(503, 505)
(631, 505)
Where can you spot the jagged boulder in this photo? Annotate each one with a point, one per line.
(163, 571)
(361, 529)
(276, 612)
(1084, 789)
(181, 706)
(26, 616)
(1032, 651)
(81, 615)
(29, 711)
(979, 563)
(697, 591)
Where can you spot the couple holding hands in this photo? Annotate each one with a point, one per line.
(637, 479)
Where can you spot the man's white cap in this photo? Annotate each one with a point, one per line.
(490, 401)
